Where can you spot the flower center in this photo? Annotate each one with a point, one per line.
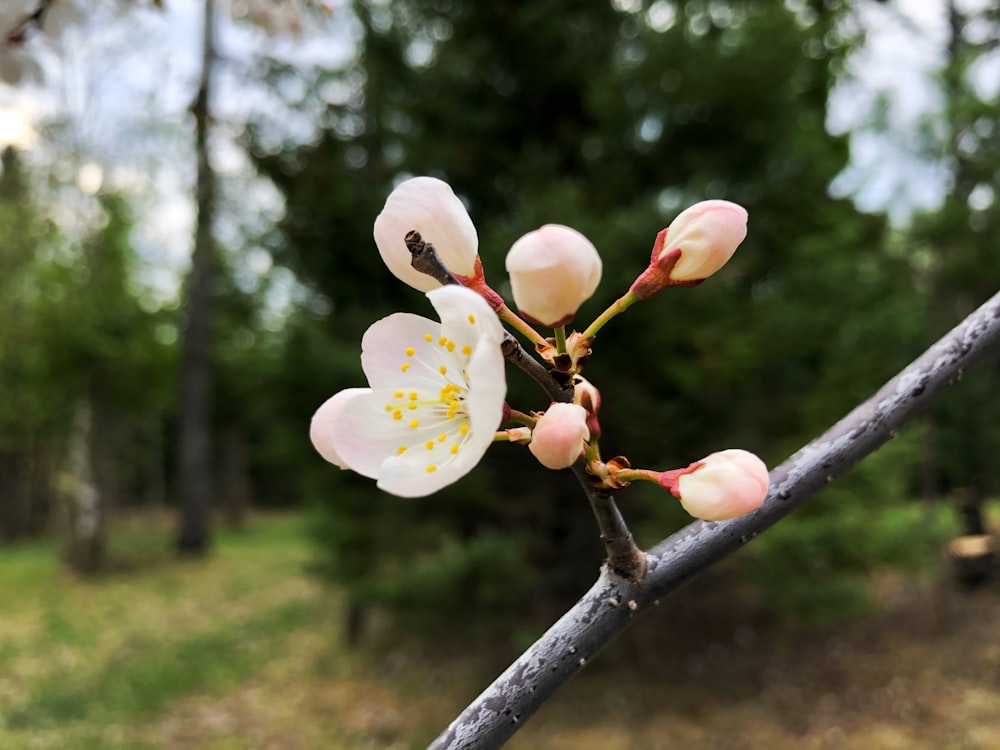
(433, 427)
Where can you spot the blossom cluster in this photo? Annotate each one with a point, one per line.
(436, 392)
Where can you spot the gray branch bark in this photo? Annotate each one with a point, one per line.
(614, 602)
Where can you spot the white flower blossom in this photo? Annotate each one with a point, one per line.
(435, 397)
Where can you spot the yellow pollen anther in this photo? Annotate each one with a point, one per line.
(402, 449)
(464, 429)
(388, 407)
(467, 350)
(431, 468)
(411, 407)
(413, 395)
(450, 346)
(409, 351)
(428, 337)
(472, 319)
(397, 414)
(442, 437)
(442, 341)
(443, 370)
(397, 394)
(405, 366)
(454, 449)
(415, 423)
(430, 445)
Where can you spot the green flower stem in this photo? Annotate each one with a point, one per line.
(518, 323)
(521, 418)
(634, 475)
(619, 306)
(561, 340)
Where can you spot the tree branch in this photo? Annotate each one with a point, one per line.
(613, 601)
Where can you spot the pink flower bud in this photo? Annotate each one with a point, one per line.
(558, 437)
(553, 270)
(430, 207)
(697, 244)
(321, 427)
(722, 485)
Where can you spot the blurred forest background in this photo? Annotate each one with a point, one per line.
(133, 386)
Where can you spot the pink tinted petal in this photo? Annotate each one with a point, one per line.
(558, 437)
(553, 270)
(727, 484)
(321, 427)
(707, 234)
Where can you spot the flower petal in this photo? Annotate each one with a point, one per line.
(387, 345)
(321, 427)
(429, 206)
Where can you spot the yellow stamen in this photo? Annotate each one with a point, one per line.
(413, 395)
(409, 351)
(451, 346)
(405, 366)
(415, 423)
(442, 341)
(442, 437)
(472, 319)
(467, 350)
(431, 468)
(397, 414)
(464, 429)
(428, 337)
(443, 370)
(454, 449)
(397, 394)
(430, 445)
(402, 449)
(411, 407)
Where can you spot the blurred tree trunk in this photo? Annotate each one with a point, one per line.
(194, 452)
(81, 512)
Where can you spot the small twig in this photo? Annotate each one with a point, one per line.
(424, 258)
(624, 557)
(611, 604)
(523, 361)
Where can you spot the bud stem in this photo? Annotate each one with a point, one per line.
(633, 475)
(521, 418)
(619, 306)
(519, 324)
(560, 339)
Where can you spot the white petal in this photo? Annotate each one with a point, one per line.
(429, 206)
(321, 427)
(384, 352)
(365, 434)
(485, 370)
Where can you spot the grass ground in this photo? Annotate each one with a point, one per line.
(242, 650)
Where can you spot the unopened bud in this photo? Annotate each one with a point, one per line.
(430, 207)
(553, 270)
(697, 244)
(720, 486)
(559, 435)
